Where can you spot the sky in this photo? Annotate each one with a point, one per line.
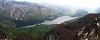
(75, 3)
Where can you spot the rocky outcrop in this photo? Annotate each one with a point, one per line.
(69, 31)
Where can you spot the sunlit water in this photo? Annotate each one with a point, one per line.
(58, 20)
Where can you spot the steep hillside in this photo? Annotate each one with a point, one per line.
(68, 31)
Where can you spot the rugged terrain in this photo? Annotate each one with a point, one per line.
(16, 15)
(68, 31)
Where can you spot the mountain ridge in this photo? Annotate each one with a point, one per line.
(70, 29)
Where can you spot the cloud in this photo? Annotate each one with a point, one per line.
(75, 3)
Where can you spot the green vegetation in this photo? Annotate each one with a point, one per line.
(37, 32)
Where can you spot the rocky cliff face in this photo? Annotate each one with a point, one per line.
(70, 31)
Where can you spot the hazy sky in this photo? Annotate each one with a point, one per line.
(75, 3)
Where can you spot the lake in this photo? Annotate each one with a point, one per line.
(58, 20)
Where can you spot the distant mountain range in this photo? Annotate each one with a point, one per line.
(25, 10)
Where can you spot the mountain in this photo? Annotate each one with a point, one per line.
(26, 13)
(70, 30)
(25, 10)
